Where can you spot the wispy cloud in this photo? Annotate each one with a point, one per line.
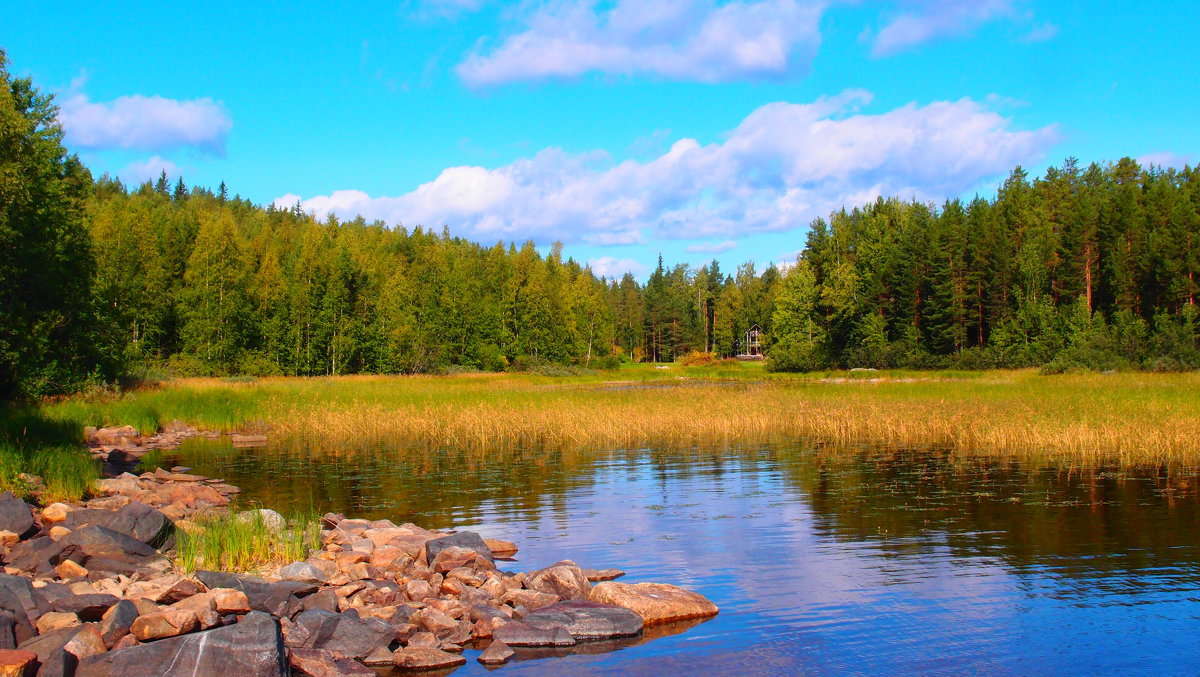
(785, 164)
(149, 169)
(1166, 159)
(695, 40)
(141, 122)
(1041, 33)
(444, 9)
(712, 247)
(923, 20)
(612, 268)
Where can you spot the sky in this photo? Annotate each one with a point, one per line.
(694, 129)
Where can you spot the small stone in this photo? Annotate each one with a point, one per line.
(564, 579)
(497, 653)
(8, 538)
(270, 519)
(424, 658)
(116, 622)
(381, 657)
(599, 575)
(168, 623)
(59, 532)
(229, 601)
(56, 620)
(423, 639)
(67, 570)
(55, 512)
(303, 572)
(501, 549)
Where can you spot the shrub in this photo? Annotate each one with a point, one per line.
(698, 359)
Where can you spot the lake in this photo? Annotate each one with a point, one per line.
(823, 561)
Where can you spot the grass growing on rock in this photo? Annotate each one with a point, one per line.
(244, 542)
(1124, 417)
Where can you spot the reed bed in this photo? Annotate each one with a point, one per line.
(1128, 418)
(243, 542)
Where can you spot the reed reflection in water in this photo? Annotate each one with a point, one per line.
(824, 561)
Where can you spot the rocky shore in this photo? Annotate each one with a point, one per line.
(90, 589)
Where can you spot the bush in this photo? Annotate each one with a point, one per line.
(606, 363)
(698, 359)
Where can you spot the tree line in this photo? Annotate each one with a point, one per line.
(1082, 268)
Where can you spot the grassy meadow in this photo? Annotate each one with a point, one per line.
(1122, 417)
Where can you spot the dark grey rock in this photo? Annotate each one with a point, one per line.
(136, 520)
(463, 539)
(25, 603)
(342, 633)
(587, 620)
(117, 621)
(7, 623)
(277, 599)
(517, 633)
(36, 556)
(47, 644)
(89, 607)
(60, 663)
(326, 600)
(251, 648)
(15, 516)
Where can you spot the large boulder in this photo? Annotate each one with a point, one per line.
(15, 516)
(89, 607)
(463, 539)
(22, 601)
(425, 658)
(251, 648)
(136, 520)
(564, 579)
(587, 620)
(654, 602)
(517, 633)
(99, 549)
(343, 633)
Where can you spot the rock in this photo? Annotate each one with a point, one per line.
(270, 519)
(587, 620)
(60, 663)
(119, 486)
(304, 572)
(83, 639)
(517, 633)
(7, 621)
(654, 602)
(434, 621)
(86, 641)
(56, 620)
(89, 607)
(277, 599)
(531, 599)
(250, 648)
(343, 633)
(136, 520)
(455, 557)
(240, 441)
(15, 515)
(22, 602)
(8, 538)
(16, 663)
(423, 638)
(325, 663)
(501, 549)
(229, 601)
(68, 570)
(497, 653)
(100, 549)
(564, 579)
(59, 532)
(463, 539)
(122, 436)
(425, 658)
(381, 657)
(167, 623)
(599, 575)
(117, 621)
(55, 512)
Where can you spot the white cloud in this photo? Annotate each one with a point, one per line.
(712, 247)
(784, 165)
(1041, 33)
(136, 173)
(607, 266)
(1166, 159)
(674, 39)
(144, 123)
(446, 9)
(925, 20)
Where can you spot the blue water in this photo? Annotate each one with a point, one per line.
(871, 562)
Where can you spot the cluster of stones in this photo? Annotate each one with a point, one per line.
(124, 445)
(86, 591)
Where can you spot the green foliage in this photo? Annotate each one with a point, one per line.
(243, 542)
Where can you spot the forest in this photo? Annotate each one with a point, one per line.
(1084, 268)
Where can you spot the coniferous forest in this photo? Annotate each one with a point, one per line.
(1083, 268)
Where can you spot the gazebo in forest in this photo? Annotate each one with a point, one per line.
(751, 348)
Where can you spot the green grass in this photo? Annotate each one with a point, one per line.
(242, 542)
(67, 471)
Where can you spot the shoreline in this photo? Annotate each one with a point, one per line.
(90, 588)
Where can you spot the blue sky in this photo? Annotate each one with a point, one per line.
(692, 128)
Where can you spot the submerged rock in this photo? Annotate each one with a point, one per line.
(424, 658)
(497, 653)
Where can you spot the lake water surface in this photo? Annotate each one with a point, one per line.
(861, 561)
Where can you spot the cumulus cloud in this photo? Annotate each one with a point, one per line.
(674, 39)
(144, 123)
(712, 247)
(138, 172)
(782, 166)
(924, 20)
(612, 268)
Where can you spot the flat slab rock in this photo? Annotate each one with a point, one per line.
(654, 602)
(251, 648)
(587, 620)
(425, 658)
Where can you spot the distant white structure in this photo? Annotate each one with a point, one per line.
(752, 344)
